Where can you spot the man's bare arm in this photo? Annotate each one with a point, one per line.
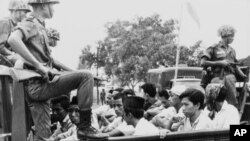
(4, 51)
(15, 41)
(207, 63)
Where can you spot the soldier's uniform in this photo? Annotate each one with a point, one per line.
(39, 91)
(7, 25)
(227, 74)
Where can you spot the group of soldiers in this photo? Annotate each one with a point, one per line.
(26, 38)
(30, 42)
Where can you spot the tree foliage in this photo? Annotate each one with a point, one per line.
(131, 48)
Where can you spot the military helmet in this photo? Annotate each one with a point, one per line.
(42, 1)
(226, 30)
(18, 5)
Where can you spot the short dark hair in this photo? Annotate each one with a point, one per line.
(118, 90)
(118, 96)
(137, 113)
(149, 88)
(222, 94)
(63, 100)
(128, 92)
(195, 96)
(123, 94)
(164, 93)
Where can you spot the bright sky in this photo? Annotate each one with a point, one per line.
(81, 22)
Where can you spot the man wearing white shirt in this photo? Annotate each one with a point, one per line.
(119, 127)
(168, 111)
(133, 108)
(218, 109)
(192, 101)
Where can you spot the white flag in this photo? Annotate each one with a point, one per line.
(193, 13)
(189, 25)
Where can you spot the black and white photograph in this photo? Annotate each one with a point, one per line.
(124, 70)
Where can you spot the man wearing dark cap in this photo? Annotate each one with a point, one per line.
(133, 108)
(119, 127)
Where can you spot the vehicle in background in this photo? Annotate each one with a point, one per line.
(163, 78)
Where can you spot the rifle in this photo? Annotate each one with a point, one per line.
(206, 76)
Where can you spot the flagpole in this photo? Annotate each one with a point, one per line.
(178, 44)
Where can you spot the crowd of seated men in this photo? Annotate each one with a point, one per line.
(156, 113)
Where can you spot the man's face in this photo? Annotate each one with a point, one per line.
(165, 102)
(128, 118)
(20, 14)
(188, 107)
(229, 39)
(145, 95)
(74, 114)
(174, 99)
(49, 10)
(118, 107)
(58, 113)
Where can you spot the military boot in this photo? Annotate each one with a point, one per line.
(86, 131)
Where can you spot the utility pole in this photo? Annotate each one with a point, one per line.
(97, 81)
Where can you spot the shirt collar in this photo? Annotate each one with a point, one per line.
(224, 105)
(66, 119)
(39, 18)
(13, 21)
(222, 44)
(141, 121)
(198, 118)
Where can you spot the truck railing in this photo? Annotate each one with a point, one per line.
(202, 135)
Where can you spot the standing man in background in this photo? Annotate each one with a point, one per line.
(103, 96)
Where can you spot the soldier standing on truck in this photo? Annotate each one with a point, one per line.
(18, 10)
(221, 59)
(31, 41)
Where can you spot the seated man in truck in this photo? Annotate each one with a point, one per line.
(168, 111)
(218, 109)
(60, 115)
(151, 102)
(133, 108)
(119, 127)
(192, 101)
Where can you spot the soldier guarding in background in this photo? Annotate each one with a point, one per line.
(221, 58)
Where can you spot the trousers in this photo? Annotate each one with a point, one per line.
(40, 92)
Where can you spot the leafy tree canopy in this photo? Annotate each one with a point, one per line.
(131, 48)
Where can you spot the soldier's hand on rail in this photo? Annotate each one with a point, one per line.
(45, 72)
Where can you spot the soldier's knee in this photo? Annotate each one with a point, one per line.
(86, 75)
